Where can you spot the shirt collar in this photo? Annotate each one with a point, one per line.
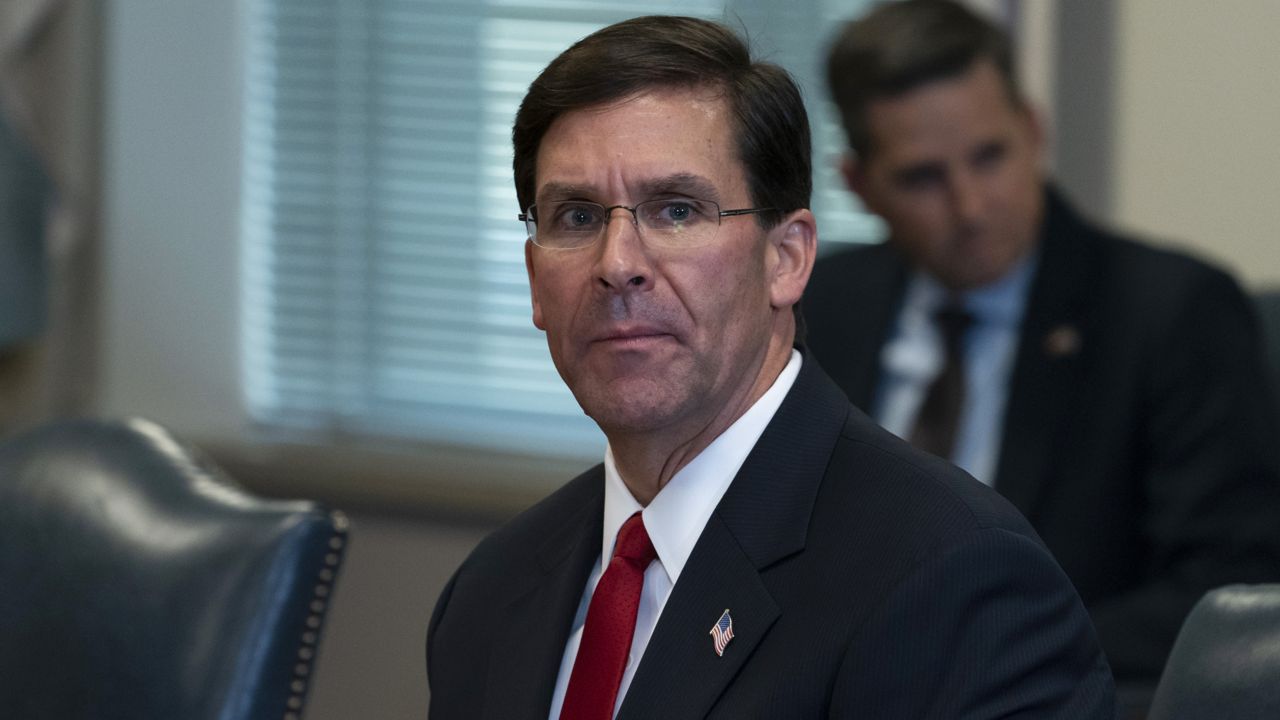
(1001, 302)
(676, 516)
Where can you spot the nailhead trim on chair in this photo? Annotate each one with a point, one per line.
(319, 604)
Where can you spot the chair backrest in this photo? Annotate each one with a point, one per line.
(136, 581)
(1225, 664)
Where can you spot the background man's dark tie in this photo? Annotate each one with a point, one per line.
(939, 417)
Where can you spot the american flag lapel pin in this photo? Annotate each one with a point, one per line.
(722, 632)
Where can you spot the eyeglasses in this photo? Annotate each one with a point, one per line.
(665, 222)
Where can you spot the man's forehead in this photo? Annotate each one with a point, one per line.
(680, 109)
(967, 109)
(710, 96)
(677, 141)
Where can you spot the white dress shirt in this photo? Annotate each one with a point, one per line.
(914, 355)
(674, 520)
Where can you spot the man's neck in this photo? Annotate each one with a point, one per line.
(647, 461)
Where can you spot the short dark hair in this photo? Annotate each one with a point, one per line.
(901, 46)
(621, 60)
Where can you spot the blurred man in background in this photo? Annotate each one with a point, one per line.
(1113, 392)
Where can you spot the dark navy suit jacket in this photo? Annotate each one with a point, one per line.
(1139, 438)
(865, 579)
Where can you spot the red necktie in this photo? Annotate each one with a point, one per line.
(611, 621)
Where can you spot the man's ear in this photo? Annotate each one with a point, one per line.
(793, 247)
(1038, 127)
(533, 286)
(856, 178)
(854, 174)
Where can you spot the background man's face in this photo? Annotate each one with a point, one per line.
(651, 338)
(954, 169)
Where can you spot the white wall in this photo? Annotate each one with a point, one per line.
(1197, 157)
(171, 151)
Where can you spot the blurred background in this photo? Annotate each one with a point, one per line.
(286, 230)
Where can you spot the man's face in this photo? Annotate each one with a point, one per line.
(651, 338)
(954, 169)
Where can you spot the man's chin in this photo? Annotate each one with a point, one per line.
(971, 274)
(631, 405)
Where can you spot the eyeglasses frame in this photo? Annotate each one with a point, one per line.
(527, 217)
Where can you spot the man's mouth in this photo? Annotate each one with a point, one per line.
(632, 336)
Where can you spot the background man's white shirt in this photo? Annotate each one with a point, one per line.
(914, 356)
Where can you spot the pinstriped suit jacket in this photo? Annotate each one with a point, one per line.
(865, 579)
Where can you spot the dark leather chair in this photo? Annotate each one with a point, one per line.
(1225, 664)
(137, 581)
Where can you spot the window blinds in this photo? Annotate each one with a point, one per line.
(384, 290)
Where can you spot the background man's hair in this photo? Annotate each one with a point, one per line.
(901, 46)
(664, 53)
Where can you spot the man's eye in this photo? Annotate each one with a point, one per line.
(990, 155)
(674, 212)
(919, 179)
(677, 211)
(576, 217)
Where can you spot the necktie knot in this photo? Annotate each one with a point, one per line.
(953, 321)
(633, 542)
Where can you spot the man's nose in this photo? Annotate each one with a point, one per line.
(966, 196)
(624, 262)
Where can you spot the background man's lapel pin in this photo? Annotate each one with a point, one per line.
(1062, 341)
(722, 632)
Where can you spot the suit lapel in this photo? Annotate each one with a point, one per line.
(686, 676)
(869, 283)
(536, 623)
(1048, 370)
(763, 518)
(882, 298)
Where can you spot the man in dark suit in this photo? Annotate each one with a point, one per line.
(752, 546)
(1112, 391)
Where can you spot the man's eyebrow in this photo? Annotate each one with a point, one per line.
(687, 184)
(918, 171)
(553, 191)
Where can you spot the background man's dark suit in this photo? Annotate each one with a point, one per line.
(1139, 437)
(864, 579)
